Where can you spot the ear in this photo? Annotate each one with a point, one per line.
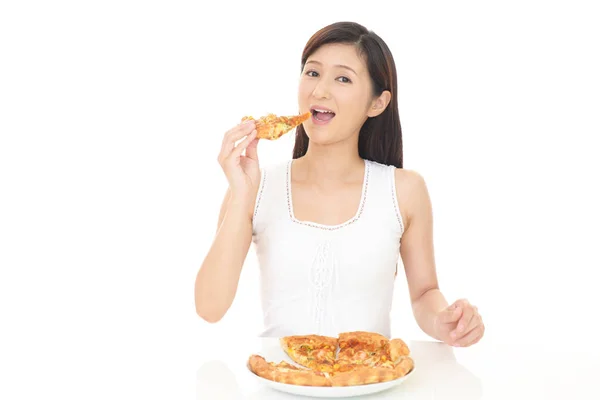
(379, 104)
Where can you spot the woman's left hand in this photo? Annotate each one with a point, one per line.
(459, 324)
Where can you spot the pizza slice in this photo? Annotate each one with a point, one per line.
(316, 352)
(366, 357)
(284, 372)
(356, 374)
(272, 127)
(363, 348)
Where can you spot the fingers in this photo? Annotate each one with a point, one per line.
(459, 303)
(251, 151)
(235, 134)
(237, 151)
(475, 320)
(471, 332)
(450, 315)
(232, 136)
(471, 337)
(238, 132)
(463, 323)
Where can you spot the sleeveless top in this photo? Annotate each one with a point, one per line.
(326, 279)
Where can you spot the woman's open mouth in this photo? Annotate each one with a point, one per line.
(321, 115)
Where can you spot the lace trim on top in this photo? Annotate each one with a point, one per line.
(260, 191)
(322, 226)
(395, 197)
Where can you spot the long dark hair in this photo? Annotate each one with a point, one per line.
(380, 137)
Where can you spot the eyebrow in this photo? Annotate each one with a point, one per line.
(337, 65)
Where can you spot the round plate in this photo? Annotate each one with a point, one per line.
(272, 351)
(334, 391)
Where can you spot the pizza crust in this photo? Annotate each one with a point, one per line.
(363, 375)
(398, 349)
(285, 373)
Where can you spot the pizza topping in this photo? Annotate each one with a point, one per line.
(305, 347)
(322, 353)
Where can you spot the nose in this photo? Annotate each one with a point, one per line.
(321, 90)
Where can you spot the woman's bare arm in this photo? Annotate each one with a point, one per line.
(218, 277)
(417, 250)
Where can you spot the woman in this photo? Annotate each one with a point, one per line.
(329, 224)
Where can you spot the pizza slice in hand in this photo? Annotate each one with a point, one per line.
(272, 127)
(316, 352)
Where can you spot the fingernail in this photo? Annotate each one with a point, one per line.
(461, 327)
(453, 334)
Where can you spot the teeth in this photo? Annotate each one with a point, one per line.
(323, 111)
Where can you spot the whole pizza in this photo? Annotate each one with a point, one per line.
(352, 358)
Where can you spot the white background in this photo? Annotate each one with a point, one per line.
(111, 117)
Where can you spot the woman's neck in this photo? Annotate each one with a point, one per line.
(324, 165)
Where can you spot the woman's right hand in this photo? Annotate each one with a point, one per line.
(242, 170)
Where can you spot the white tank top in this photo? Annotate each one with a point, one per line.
(327, 279)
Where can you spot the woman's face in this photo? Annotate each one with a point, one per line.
(336, 87)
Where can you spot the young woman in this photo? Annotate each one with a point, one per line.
(330, 224)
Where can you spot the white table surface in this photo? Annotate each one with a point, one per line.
(483, 371)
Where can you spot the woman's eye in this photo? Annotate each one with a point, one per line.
(344, 79)
(310, 73)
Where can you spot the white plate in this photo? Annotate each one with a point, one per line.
(272, 351)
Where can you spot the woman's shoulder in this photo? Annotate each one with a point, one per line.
(409, 179)
(411, 191)
(408, 182)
